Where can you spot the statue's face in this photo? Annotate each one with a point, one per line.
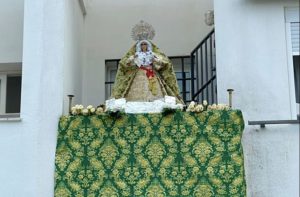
(144, 46)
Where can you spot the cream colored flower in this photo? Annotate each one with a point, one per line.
(73, 108)
(192, 104)
(74, 111)
(80, 107)
(213, 106)
(85, 111)
(199, 108)
(191, 107)
(93, 110)
(222, 106)
(204, 102)
(99, 110)
(89, 107)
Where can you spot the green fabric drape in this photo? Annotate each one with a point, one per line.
(181, 154)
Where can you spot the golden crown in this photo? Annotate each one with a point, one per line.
(142, 31)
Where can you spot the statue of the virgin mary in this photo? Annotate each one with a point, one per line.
(145, 74)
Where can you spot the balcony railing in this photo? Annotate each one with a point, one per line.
(263, 123)
(203, 70)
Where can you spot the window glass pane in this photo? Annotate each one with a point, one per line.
(13, 94)
(295, 31)
(113, 74)
(188, 82)
(110, 65)
(188, 97)
(176, 63)
(178, 75)
(187, 74)
(187, 62)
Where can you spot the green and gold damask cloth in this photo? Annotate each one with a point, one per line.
(131, 82)
(151, 155)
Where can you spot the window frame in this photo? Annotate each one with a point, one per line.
(3, 84)
(291, 14)
(3, 88)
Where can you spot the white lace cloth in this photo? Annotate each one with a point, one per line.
(143, 58)
(156, 106)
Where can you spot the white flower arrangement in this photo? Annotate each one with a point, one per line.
(99, 110)
(223, 107)
(194, 107)
(77, 109)
(114, 105)
(119, 109)
(89, 110)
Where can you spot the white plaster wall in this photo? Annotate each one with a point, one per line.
(51, 62)
(11, 30)
(252, 59)
(28, 147)
(74, 51)
(179, 28)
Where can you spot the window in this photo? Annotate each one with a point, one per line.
(10, 89)
(293, 50)
(182, 69)
(181, 65)
(111, 67)
(185, 89)
(296, 62)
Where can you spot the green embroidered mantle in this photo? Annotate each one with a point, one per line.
(164, 72)
(181, 154)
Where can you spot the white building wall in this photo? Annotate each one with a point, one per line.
(27, 147)
(252, 59)
(11, 30)
(179, 28)
(74, 51)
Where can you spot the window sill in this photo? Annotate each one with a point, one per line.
(10, 118)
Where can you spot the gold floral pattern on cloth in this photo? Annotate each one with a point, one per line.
(144, 89)
(151, 155)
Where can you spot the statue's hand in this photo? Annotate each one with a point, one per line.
(130, 60)
(157, 63)
(154, 58)
(157, 67)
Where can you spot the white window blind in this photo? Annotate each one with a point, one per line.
(295, 31)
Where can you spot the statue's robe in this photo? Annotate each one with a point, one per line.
(130, 82)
